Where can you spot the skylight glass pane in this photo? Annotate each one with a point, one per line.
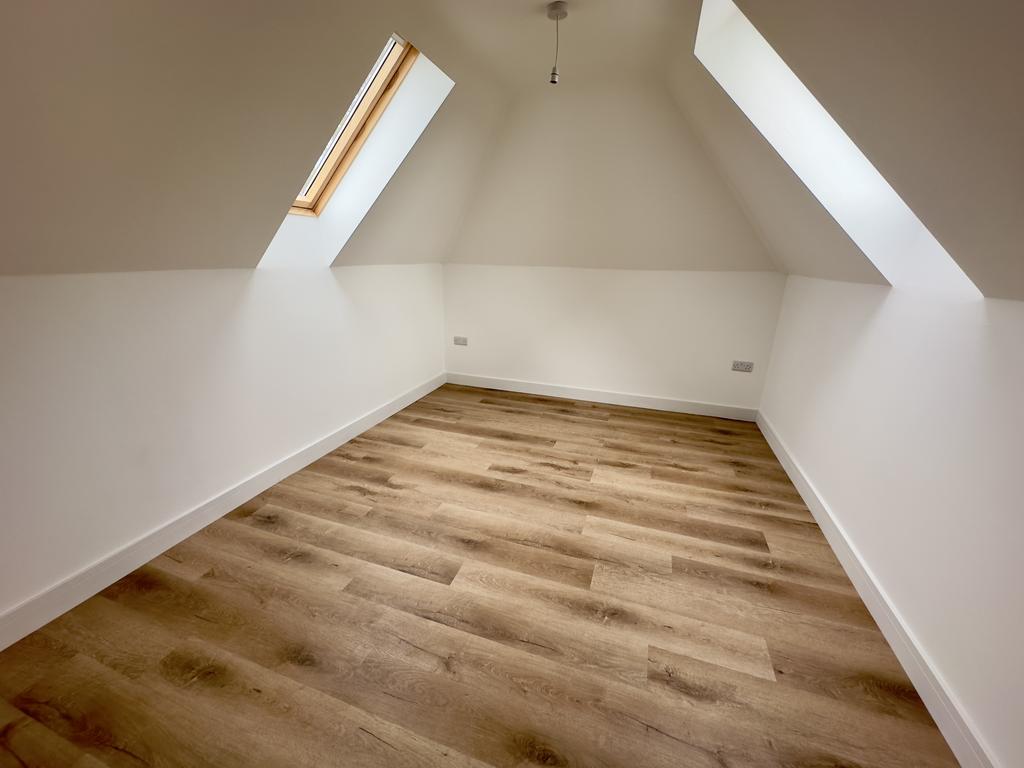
(391, 43)
(827, 161)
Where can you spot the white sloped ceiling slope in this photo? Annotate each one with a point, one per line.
(174, 136)
(930, 92)
(168, 135)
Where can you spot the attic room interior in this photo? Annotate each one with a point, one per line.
(512, 383)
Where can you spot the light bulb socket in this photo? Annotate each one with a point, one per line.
(554, 76)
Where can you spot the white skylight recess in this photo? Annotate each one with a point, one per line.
(835, 171)
(400, 97)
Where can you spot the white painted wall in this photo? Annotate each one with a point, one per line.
(649, 333)
(127, 400)
(313, 242)
(905, 411)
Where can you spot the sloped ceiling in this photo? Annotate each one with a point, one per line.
(605, 174)
(174, 135)
(930, 90)
(600, 39)
(457, 157)
(171, 135)
(638, 159)
(417, 217)
(800, 234)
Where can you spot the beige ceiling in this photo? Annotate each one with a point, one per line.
(171, 135)
(931, 91)
(611, 169)
(605, 173)
(801, 236)
(600, 38)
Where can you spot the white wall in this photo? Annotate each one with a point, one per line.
(906, 413)
(127, 400)
(650, 333)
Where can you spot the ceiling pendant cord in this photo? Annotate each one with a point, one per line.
(556, 11)
(554, 69)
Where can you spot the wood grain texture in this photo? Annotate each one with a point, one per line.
(486, 578)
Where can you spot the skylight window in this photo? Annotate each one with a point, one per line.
(387, 74)
(827, 161)
(373, 156)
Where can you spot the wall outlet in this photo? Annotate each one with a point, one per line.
(461, 341)
(744, 366)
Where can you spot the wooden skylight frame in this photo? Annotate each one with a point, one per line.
(373, 98)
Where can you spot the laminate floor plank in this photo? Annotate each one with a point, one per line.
(857, 735)
(750, 501)
(775, 592)
(756, 563)
(534, 426)
(559, 495)
(372, 546)
(113, 718)
(545, 538)
(634, 622)
(674, 454)
(24, 741)
(800, 549)
(465, 544)
(694, 600)
(510, 621)
(872, 681)
(196, 677)
(426, 675)
(486, 578)
(548, 496)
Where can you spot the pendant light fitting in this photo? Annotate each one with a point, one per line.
(557, 11)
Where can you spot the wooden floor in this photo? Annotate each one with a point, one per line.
(485, 578)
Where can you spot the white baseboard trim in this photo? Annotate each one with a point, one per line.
(33, 613)
(600, 396)
(956, 726)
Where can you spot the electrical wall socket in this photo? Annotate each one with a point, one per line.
(744, 366)
(461, 341)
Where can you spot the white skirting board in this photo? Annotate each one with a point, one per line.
(28, 616)
(600, 396)
(954, 724)
(962, 737)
